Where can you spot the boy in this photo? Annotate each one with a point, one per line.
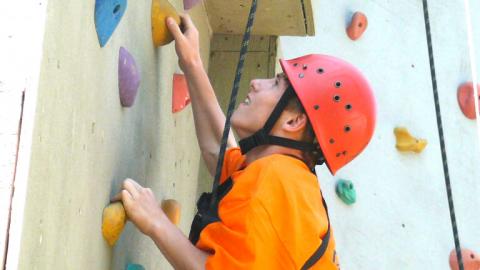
(269, 212)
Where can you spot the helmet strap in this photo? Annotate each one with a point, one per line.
(262, 136)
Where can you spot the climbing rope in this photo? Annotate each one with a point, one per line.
(442, 139)
(233, 100)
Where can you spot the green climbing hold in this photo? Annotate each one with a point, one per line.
(132, 266)
(346, 191)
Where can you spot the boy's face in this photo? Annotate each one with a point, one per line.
(254, 111)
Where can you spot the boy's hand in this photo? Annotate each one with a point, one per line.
(186, 43)
(141, 206)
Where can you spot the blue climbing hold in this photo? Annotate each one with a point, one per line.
(108, 14)
(132, 266)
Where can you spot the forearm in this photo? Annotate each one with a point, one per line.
(176, 248)
(208, 116)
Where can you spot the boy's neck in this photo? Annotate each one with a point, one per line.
(267, 150)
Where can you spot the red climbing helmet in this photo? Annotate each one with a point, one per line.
(339, 103)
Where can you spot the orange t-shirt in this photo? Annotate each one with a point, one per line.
(272, 218)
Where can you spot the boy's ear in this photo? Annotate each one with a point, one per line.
(295, 122)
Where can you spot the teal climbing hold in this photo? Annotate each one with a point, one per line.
(108, 14)
(346, 191)
(132, 266)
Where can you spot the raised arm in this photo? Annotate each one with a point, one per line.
(208, 116)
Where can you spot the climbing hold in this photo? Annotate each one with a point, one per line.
(471, 261)
(346, 191)
(406, 142)
(128, 78)
(465, 97)
(132, 266)
(161, 9)
(357, 26)
(180, 96)
(172, 210)
(108, 14)
(114, 218)
(188, 4)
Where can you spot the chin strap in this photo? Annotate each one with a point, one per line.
(262, 136)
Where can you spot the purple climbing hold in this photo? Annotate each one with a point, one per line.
(188, 4)
(128, 78)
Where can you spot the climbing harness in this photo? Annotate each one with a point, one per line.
(442, 139)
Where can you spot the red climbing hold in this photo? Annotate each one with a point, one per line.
(465, 95)
(188, 4)
(471, 261)
(180, 96)
(357, 26)
(128, 78)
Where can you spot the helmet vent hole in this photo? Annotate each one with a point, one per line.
(348, 107)
(336, 98)
(339, 154)
(305, 66)
(332, 141)
(320, 70)
(295, 64)
(344, 153)
(301, 75)
(347, 128)
(338, 84)
(316, 107)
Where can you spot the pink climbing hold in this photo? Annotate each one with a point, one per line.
(471, 261)
(357, 26)
(465, 97)
(180, 95)
(188, 4)
(128, 78)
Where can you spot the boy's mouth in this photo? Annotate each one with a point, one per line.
(247, 101)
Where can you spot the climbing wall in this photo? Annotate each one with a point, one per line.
(401, 217)
(85, 143)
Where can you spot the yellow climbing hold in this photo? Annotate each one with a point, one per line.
(114, 218)
(161, 9)
(406, 142)
(172, 210)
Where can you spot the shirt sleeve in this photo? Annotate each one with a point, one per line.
(232, 161)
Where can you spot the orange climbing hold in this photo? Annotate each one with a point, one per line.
(172, 210)
(471, 261)
(180, 95)
(406, 142)
(357, 26)
(161, 9)
(465, 97)
(114, 218)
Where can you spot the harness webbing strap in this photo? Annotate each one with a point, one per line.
(277, 111)
(323, 246)
(442, 139)
(263, 137)
(233, 100)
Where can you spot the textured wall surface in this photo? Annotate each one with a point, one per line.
(85, 143)
(401, 219)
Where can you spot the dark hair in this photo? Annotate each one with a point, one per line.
(294, 104)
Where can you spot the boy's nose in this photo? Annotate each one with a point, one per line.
(254, 85)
